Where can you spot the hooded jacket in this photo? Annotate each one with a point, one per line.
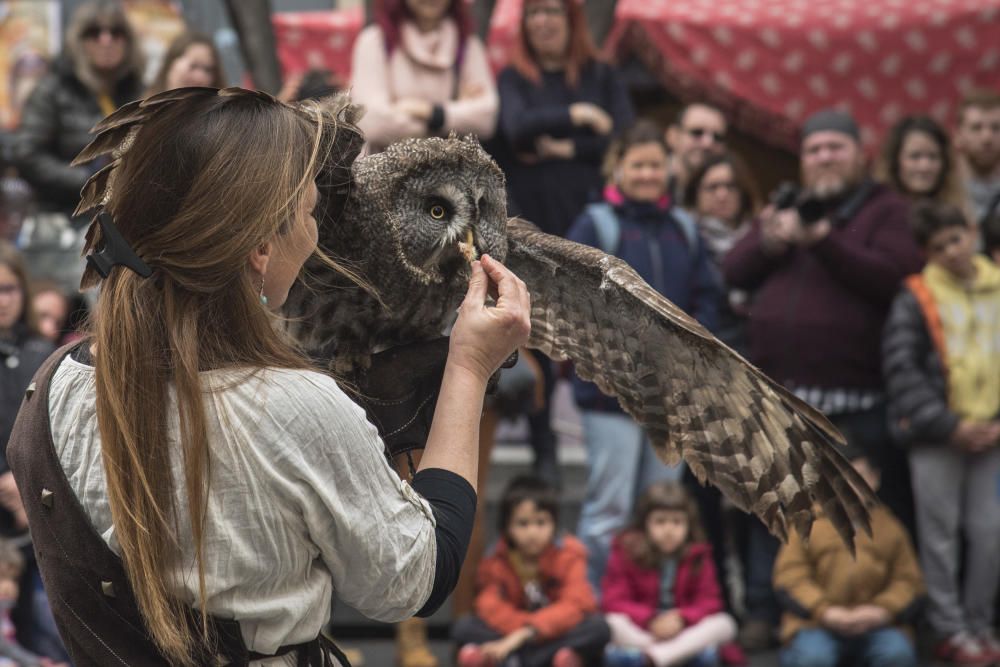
(653, 243)
(562, 569)
(631, 589)
(939, 359)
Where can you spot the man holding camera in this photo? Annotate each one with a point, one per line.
(823, 265)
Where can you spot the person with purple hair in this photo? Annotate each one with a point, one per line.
(420, 71)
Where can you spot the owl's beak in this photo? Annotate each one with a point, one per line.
(468, 247)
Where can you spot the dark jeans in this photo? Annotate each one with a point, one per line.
(887, 647)
(541, 436)
(587, 639)
(709, 501)
(869, 430)
(762, 550)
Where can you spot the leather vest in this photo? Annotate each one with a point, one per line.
(93, 603)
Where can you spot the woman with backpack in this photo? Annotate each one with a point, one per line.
(638, 223)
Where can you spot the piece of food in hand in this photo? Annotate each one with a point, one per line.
(468, 248)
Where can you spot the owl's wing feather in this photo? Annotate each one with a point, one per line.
(767, 451)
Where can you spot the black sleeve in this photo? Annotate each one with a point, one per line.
(34, 149)
(918, 405)
(453, 501)
(436, 121)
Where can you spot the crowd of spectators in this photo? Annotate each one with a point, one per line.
(871, 292)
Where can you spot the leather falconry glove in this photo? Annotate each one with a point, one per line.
(399, 392)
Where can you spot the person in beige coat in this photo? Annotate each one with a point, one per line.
(844, 607)
(420, 71)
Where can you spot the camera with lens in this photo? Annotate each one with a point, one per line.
(789, 196)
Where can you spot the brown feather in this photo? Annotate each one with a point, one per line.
(95, 189)
(766, 450)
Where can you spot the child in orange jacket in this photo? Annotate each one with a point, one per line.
(534, 607)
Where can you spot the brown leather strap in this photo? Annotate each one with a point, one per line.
(89, 592)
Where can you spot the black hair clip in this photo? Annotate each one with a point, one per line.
(116, 251)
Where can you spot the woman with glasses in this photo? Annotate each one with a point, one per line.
(559, 108)
(99, 70)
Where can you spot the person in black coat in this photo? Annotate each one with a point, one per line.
(99, 70)
(22, 351)
(559, 109)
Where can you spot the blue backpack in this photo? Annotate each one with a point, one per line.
(609, 229)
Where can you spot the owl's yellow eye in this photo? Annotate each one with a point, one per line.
(437, 212)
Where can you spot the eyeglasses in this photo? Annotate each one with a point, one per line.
(699, 132)
(727, 186)
(95, 32)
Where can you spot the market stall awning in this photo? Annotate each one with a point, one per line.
(308, 40)
(771, 63)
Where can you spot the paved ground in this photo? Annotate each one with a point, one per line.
(379, 653)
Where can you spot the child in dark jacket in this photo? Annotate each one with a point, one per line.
(534, 607)
(941, 362)
(660, 593)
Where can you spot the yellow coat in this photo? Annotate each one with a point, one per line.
(970, 323)
(815, 575)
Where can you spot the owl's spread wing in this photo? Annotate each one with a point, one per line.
(767, 451)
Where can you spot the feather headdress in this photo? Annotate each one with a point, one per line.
(342, 142)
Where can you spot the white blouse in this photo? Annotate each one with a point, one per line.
(301, 503)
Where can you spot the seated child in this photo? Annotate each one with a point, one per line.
(13, 654)
(941, 363)
(660, 592)
(534, 605)
(845, 610)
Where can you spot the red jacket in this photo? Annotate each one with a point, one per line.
(628, 588)
(501, 603)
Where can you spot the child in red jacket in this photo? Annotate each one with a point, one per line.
(660, 593)
(535, 607)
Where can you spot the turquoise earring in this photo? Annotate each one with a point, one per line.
(263, 299)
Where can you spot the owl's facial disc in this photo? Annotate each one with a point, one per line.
(451, 215)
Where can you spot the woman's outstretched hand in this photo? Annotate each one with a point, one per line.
(484, 336)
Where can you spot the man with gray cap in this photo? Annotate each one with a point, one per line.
(823, 274)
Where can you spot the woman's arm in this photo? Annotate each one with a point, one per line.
(483, 338)
(391, 551)
(383, 122)
(521, 121)
(618, 105)
(476, 108)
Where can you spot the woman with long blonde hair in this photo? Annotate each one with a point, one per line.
(239, 487)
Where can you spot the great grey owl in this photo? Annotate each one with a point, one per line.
(396, 219)
(408, 209)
